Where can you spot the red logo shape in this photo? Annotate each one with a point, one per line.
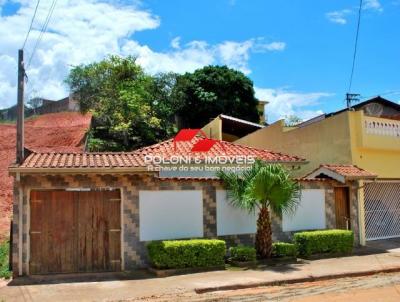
(203, 145)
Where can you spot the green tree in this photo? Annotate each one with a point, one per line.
(124, 104)
(263, 187)
(212, 90)
(292, 120)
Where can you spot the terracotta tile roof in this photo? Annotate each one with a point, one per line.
(137, 158)
(340, 173)
(222, 148)
(349, 170)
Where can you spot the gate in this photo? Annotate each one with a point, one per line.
(382, 210)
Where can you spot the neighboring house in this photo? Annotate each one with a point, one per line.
(366, 135)
(64, 105)
(85, 212)
(228, 128)
(42, 106)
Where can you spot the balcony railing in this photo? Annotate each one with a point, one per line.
(384, 127)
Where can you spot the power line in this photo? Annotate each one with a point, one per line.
(42, 31)
(355, 45)
(394, 92)
(30, 26)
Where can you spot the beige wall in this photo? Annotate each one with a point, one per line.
(214, 129)
(327, 141)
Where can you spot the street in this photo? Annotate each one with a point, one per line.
(382, 287)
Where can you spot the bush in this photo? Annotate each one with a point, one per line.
(187, 253)
(4, 265)
(284, 249)
(243, 253)
(325, 241)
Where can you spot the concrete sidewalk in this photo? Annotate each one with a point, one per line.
(117, 288)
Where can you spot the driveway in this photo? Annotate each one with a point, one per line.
(387, 245)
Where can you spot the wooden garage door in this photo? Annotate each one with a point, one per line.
(75, 231)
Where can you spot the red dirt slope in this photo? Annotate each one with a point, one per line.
(59, 132)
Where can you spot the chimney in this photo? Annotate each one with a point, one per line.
(20, 108)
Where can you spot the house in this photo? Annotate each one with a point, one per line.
(229, 128)
(366, 135)
(42, 106)
(90, 212)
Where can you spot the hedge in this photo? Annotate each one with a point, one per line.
(325, 241)
(284, 249)
(187, 253)
(243, 253)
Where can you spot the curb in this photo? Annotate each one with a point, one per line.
(203, 290)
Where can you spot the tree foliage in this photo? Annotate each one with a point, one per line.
(292, 120)
(132, 109)
(212, 90)
(263, 187)
(124, 102)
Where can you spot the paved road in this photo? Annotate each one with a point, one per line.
(383, 287)
(142, 286)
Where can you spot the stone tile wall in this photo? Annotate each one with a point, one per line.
(134, 250)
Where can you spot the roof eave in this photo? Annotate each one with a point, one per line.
(55, 170)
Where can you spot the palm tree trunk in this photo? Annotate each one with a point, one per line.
(264, 234)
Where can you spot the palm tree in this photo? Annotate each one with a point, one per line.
(263, 187)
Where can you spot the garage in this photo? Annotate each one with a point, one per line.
(382, 210)
(74, 231)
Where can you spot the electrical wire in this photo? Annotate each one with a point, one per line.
(30, 26)
(42, 31)
(355, 45)
(395, 92)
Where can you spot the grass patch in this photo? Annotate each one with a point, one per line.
(4, 253)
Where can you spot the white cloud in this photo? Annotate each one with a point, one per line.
(373, 5)
(176, 43)
(283, 102)
(338, 17)
(85, 31)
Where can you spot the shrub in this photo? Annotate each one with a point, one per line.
(187, 253)
(4, 265)
(243, 253)
(284, 249)
(325, 241)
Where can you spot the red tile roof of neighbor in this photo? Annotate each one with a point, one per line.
(345, 171)
(60, 132)
(349, 170)
(136, 158)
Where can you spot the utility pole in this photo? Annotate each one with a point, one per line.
(352, 97)
(20, 107)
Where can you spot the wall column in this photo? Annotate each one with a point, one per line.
(361, 212)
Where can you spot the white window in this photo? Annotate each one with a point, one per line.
(232, 220)
(310, 213)
(170, 214)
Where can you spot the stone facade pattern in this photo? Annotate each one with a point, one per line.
(134, 253)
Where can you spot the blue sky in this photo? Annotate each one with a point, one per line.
(297, 52)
